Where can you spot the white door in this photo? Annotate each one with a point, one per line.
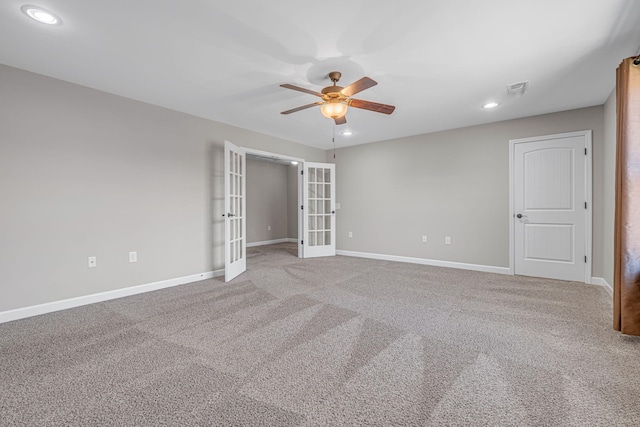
(550, 209)
(319, 219)
(235, 243)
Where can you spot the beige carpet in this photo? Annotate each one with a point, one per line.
(330, 341)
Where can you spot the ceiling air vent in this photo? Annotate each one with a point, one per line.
(517, 89)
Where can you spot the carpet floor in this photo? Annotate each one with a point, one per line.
(328, 341)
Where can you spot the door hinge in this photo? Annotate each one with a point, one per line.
(585, 258)
(302, 242)
(302, 172)
(301, 207)
(585, 205)
(585, 151)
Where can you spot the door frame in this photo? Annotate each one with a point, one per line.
(587, 134)
(300, 165)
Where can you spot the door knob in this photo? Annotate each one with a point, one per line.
(519, 216)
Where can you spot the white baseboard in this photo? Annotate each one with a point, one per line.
(272, 242)
(35, 310)
(599, 281)
(424, 261)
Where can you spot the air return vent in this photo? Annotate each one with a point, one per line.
(517, 89)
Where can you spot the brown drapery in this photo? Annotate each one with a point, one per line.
(626, 282)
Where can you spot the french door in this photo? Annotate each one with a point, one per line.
(319, 219)
(235, 242)
(551, 177)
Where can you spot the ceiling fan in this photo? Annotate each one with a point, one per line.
(337, 99)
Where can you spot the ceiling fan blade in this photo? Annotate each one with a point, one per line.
(371, 106)
(301, 89)
(341, 120)
(359, 86)
(304, 107)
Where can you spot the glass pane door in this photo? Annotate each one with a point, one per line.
(319, 208)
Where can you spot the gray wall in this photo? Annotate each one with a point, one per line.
(266, 201)
(453, 183)
(85, 173)
(609, 186)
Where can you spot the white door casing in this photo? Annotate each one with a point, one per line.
(319, 219)
(235, 242)
(551, 206)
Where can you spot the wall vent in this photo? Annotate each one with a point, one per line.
(517, 89)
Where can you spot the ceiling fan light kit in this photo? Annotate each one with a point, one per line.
(333, 109)
(336, 100)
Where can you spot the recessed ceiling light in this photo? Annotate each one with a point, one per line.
(347, 133)
(41, 15)
(490, 105)
(293, 162)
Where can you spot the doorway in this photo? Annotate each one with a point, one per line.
(315, 197)
(550, 206)
(272, 200)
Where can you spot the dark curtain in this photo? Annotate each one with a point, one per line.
(626, 282)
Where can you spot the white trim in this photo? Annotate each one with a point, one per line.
(512, 248)
(272, 242)
(424, 261)
(36, 310)
(587, 134)
(599, 281)
(272, 155)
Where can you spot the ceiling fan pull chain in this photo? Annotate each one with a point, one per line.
(334, 140)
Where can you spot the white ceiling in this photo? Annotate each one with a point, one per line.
(438, 61)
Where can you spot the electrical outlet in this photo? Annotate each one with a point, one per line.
(92, 262)
(447, 240)
(351, 234)
(268, 228)
(424, 239)
(133, 256)
(337, 206)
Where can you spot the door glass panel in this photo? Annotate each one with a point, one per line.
(320, 192)
(327, 237)
(327, 222)
(233, 251)
(312, 222)
(319, 238)
(320, 207)
(312, 239)
(312, 207)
